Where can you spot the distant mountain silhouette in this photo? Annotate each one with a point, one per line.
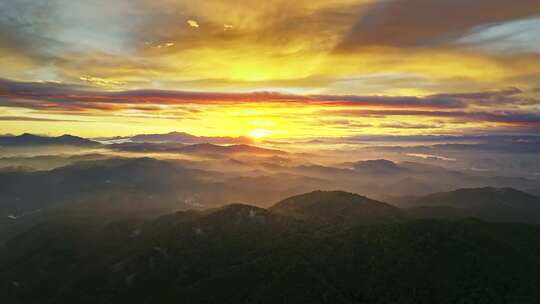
(211, 148)
(477, 198)
(16, 169)
(378, 166)
(186, 138)
(495, 204)
(204, 148)
(147, 147)
(36, 140)
(48, 162)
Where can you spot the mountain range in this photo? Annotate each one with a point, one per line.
(142, 184)
(488, 203)
(29, 140)
(203, 148)
(110, 226)
(186, 138)
(293, 251)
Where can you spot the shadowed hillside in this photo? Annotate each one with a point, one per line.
(277, 256)
(493, 204)
(337, 208)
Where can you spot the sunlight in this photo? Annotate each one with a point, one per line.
(259, 133)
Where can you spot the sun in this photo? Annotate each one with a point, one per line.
(259, 133)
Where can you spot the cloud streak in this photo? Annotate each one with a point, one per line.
(34, 119)
(40, 95)
(335, 113)
(53, 96)
(508, 117)
(417, 23)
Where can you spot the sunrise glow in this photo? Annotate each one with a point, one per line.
(308, 69)
(259, 133)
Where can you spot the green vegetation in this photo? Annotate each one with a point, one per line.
(290, 253)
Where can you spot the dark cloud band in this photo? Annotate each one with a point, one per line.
(54, 96)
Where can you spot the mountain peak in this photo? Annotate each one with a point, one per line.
(179, 133)
(338, 207)
(69, 136)
(29, 135)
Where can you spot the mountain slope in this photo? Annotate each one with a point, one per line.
(494, 204)
(243, 254)
(337, 208)
(474, 198)
(116, 183)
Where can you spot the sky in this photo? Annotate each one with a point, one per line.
(270, 69)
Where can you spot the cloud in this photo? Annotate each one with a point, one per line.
(131, 42)
(512, 91)
(429, 102)
(165, 45)
(507, 38)
(509, 117)
(54, 96)
(100, 81)
(509, 96)
(415, 23)
(341, 123)
(32, 119)
(23, 30)
(334, 109)
(282, 112)
(408, 126)
(458, 138)
(193, 23)
(271, 46)
(345, 112)
(40, 34)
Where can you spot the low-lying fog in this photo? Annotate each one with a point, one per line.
(152, 178)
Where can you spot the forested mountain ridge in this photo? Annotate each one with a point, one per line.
(276, 256)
